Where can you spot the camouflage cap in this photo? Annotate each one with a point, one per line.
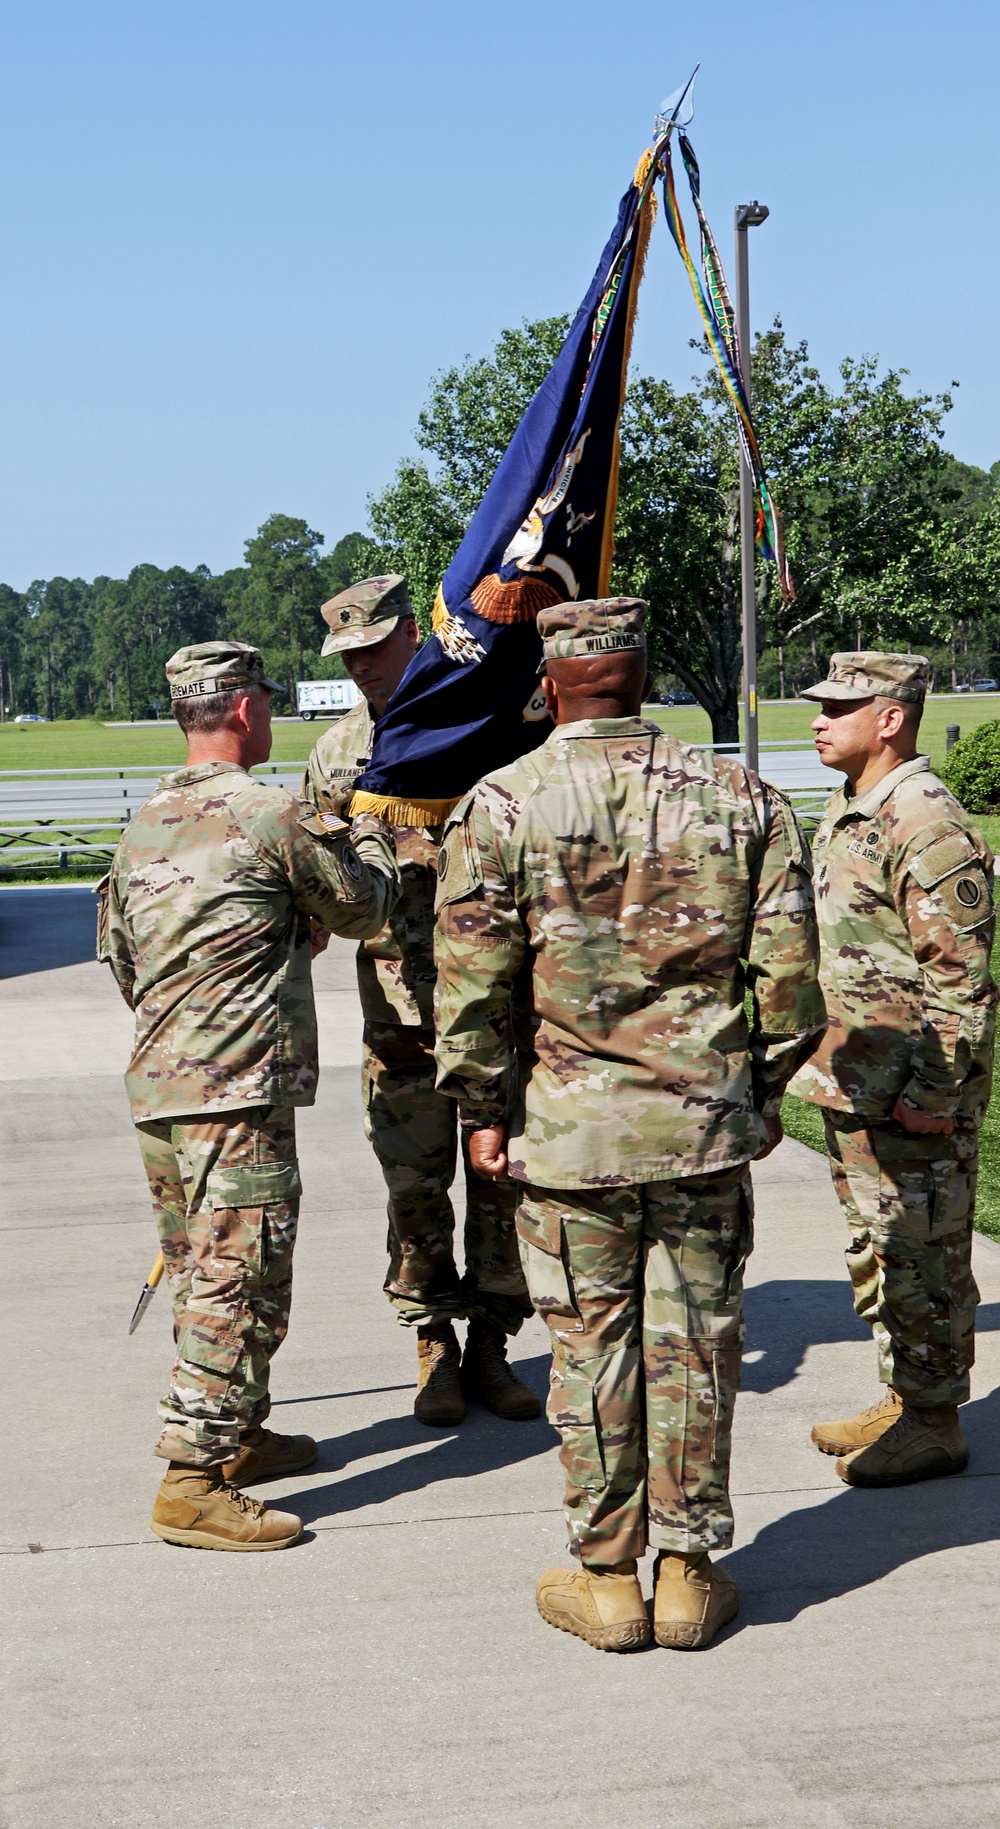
(871, 676)
(216, 666)
(365, 613)
(598, 625)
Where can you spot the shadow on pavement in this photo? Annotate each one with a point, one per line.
(481, 1444)
(41, 929)
(820, 1552)
(785, 1318)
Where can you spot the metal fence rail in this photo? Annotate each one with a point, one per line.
(64, 813)
(61, 813)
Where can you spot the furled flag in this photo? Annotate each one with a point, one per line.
(542, 534)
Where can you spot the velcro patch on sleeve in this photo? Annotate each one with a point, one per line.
(460, 870)
(941, 858)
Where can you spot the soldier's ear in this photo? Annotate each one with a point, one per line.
(551, 692)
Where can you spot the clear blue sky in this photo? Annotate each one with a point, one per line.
(238, 239)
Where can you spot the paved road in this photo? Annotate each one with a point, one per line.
(391, 1672)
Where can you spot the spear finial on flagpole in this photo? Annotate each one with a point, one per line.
(672, 112)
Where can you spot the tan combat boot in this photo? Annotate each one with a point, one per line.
(692, 1600)
(195, 1507)
(266, 1456)
(858, 1431)
(488, 1379)
(603, 1606)
(921, 1445)
(439, 1401)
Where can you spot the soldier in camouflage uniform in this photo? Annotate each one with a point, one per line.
(905, 904)
(206, 923)
(604, 905)
(412, 1127)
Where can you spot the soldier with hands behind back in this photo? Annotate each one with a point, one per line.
(904, 896)
(604, 906)
(412, 1127)
(221, 887)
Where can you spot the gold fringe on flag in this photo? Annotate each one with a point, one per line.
(403, 812)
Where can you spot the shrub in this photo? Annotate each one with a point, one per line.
(972, 771)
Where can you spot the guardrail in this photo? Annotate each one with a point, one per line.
(81, 813)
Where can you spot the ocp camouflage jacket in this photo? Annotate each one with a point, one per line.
(604, 905)
(206, 928)
(904, 895)
(395, 966)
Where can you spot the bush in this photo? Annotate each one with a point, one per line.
(972, 771)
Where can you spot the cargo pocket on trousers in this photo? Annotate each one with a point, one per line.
(727, 1365)
(542, 1244)
(239, 1198)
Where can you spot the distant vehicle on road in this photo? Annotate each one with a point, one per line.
(30, 717)
(985, 686)
(678, 698)
(324, 696)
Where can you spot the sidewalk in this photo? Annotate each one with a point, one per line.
(391, 1670)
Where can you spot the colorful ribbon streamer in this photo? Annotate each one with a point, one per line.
(713, 301)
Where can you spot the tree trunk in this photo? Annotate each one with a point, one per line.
(954, 671)
(781, 671)
(815, 652)
(726, 721)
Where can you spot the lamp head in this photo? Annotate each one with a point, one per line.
(751, 215)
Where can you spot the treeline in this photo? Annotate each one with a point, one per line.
(69, 649)
(893, 542)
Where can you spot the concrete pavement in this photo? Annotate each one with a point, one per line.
(391, 1669)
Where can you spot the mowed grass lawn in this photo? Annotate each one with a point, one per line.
(85, 744)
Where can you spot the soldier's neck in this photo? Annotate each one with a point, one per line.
(576, 708)
(221, 746)
(878, 766)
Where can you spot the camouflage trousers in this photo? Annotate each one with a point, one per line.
(642, 1289)
(909, 1203)
(226, 1200)
(414, 1132)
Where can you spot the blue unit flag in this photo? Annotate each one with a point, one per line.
(542, 534)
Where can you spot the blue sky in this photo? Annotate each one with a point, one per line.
(239, 239)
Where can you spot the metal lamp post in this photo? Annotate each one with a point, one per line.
(747, 216)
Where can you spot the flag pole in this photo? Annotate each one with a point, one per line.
(747, 216)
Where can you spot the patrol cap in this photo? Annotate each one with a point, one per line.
(598, 625)
(365, 613)
(216, 666)
(874, 676)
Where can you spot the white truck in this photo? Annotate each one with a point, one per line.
(326, 696)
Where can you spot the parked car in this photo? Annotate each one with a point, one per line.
(680, 697)
(985, 686)
(330, 696)
(30, 717)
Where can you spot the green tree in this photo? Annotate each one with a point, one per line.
(279, 598)
(857, 473)
(418, 520)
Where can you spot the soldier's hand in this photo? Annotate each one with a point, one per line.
(775, 1133)
(921, 1123)
(319, 937)
(488, 1152)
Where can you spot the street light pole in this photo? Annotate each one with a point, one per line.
(747, 216)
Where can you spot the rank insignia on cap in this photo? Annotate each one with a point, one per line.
(345, 615)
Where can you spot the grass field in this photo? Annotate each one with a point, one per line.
(87, 744)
